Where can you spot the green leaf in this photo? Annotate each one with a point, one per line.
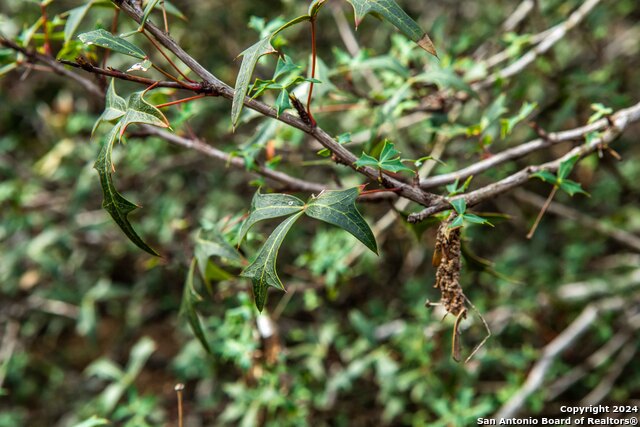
(107, 40)
(282, 103)
(338, 208)
(249, 60)
(460, 205)
(268, 206)
(393, 13)
(507, 125)
(285, 66)
(566, 167)
(367, 160)
(389, 160)
(210, 243)
(475, 219)
(457, 222)
(455, 188)
(190, 298)
(546, 176)
(262, 271)
(74, 19)
(115, 107)
(140, 111)
(315, 6)
(572, 187)
(114, 203)
(151, 4)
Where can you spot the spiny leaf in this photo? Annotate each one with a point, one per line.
(114, 203)
(267, 206)
(115, 107)
(140, 111)
(107, 40)
(262, 271)
(338, 208)
(393, 13)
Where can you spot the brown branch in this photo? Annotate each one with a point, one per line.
(621, 122)
(111, 72)
(340, 153)
(87, 84)
(525, 149)
(290, 182)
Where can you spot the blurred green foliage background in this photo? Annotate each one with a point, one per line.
(91, 325)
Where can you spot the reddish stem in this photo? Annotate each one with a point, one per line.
(381, 190)
(45, 25)
(159, 49)
(313, 69)
(542, 212)
(180, 101)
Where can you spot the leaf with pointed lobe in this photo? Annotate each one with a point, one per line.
(262, 270)
(337, 207)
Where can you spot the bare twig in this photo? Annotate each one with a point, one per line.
(552, 351)
(621, 236)
(620, 123)
(549, 39)
(530, 147)
(88, 85)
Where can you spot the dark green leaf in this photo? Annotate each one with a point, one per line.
(115, 107)
(282, 103)
(107, 40)
(114, 203)
(338, 208)
(268, 206)
(315, 6)
(393, 13)
(546, 176)
(140, 111)
(262, 270)
(249, 60)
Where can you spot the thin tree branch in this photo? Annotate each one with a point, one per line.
(87, 84)
(548, 40)
(522, 150)
(206, 149)
(628, 239)
(552, 351)
(620, 123)
(340, 153)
